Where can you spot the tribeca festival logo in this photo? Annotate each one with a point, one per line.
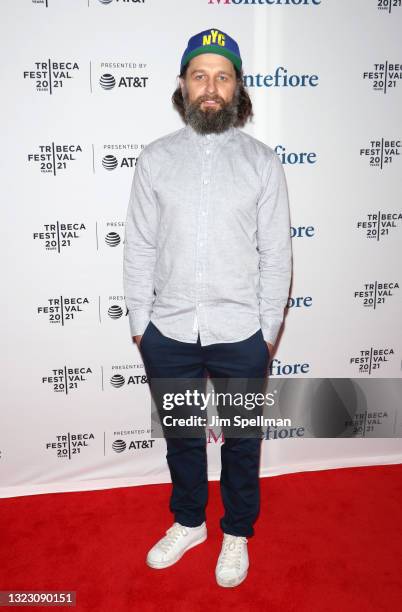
(376, 293)
(50, 76)
(364, 423)
(388, 5)
(371, 359)
(119, 445)
(381, 152)
(280, 78)
(62, 309)
(69, 444)
(380, 224)
(119, 78)
(117, 159)
(59, 235)
(120, 376)
(292, 158)
(53, 157)
(67, 379)
(384, 76)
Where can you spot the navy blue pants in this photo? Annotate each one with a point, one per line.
(164, 357)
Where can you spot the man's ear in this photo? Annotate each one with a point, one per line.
(182, 84)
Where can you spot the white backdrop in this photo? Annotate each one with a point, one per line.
(87, 84)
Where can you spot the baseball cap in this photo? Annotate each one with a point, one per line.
(212, 41)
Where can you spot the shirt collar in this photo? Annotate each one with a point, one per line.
(208, 138)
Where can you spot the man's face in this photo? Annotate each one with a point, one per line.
(210, 93)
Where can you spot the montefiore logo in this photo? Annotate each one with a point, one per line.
(280, 78)
(282, 2)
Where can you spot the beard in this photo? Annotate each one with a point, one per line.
(211, 121)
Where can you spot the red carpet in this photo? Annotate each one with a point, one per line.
(325, 541)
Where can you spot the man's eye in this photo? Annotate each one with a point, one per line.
(223, 77)
(199, 76)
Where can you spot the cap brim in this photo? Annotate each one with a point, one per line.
(213, 49)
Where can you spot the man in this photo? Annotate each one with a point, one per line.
(207, 267)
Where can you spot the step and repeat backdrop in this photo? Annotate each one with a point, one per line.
(86, 84)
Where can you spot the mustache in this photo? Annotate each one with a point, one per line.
(202, 99)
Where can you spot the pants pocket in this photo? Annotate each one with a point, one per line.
(143, 335)
(266, 346)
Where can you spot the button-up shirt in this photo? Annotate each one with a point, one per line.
(207, 238)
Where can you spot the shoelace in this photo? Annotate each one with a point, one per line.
(172, 535)
(231, 551)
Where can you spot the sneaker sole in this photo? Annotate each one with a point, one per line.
(163, 564)
(225, 585)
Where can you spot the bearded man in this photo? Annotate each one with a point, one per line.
(207, 269)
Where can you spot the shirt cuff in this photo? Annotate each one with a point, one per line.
(138, 321)
(270, 332)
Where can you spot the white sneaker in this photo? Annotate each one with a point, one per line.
(174, 544)
(233, 563)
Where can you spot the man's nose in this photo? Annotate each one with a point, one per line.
(211, 86)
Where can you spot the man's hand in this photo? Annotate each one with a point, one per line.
(137, 340)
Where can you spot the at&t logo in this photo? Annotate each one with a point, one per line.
(119, 446)
(113, 156)
(107, 81)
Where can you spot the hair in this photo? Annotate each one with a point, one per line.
(245, 107)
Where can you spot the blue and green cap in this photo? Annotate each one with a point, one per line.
(212, 41)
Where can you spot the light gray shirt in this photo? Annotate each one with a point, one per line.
(207, 238)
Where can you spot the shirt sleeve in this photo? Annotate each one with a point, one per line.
(275, 250)
(140, 247)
